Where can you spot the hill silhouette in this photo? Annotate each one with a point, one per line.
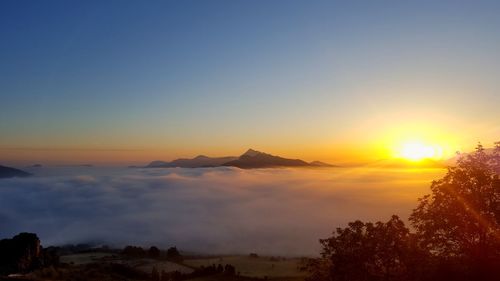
(8, 172)
(197, 162)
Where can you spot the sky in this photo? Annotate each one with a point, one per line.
(339, 81)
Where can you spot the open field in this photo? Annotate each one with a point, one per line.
(255, 267)
(144, 264)
(219, 277)
(85, 258)
(276, 268)
(167, 266)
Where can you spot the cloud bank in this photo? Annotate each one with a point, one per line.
(213, 210)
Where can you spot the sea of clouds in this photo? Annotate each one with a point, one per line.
(208, 210)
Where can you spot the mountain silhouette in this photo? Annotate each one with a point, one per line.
(251, 159)
(200, 161)
(8, 172)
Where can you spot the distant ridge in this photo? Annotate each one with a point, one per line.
(321, 164)
(8, 172)
(200, 161)
(251, 159)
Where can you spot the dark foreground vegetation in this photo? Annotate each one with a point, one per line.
(117, 272)
(23, 258)
(457, 233)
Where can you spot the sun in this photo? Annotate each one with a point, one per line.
(416, 151)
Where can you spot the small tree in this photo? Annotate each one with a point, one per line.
(173, 254)
(154, 252)
(229, 270)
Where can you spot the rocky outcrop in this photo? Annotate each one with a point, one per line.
(22, 253)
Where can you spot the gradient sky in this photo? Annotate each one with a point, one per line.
(133, 81)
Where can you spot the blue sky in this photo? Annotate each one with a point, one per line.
(304, 78)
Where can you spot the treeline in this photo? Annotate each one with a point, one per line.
(203, 271)
(456, 233)
(171, 254)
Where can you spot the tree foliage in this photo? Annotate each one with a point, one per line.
(154, 252)
(174, 254)
(461, 216)
(133, 251)
(457, 233)
(365, 251)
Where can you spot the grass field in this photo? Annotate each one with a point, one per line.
(85, 258)
(255, 267)
(279, 269)
(162, 266)
(142, 264)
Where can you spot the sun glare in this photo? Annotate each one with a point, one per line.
(416, 151)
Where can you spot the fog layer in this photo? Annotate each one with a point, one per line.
(213, 210)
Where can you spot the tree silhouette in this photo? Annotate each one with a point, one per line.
(174, 254)
(364, 251)
(154, 252)
(457, 233)
(133, 251)
(461, 216)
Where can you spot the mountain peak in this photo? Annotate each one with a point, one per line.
(251, 153)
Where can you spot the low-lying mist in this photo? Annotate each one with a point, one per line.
(212, 210)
